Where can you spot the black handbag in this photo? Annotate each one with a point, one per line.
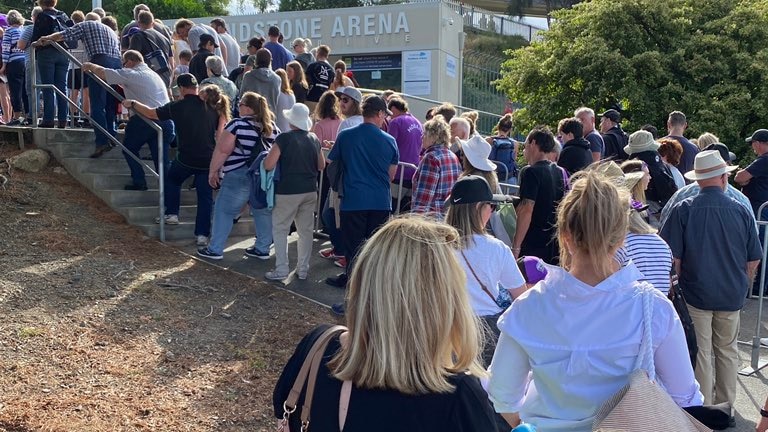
(678, 301)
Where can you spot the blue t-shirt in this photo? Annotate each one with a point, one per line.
(365, 153)
(280, 55)
(757, 188)
(689, 153)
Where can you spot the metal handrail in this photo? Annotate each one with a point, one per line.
(509, 189)
(119, 97)
(502, 165)
(402, 166)
(755, 363)
(432, 101)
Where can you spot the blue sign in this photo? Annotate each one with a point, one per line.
(373, 62)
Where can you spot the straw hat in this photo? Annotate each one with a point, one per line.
(708, 164)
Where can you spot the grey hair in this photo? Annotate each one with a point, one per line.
(215, 64)
(100, 12)
(36, 11)
(14, 17)
(584, 110)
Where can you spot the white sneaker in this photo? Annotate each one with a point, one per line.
(201, 240)
(169, 220)
(764, 341)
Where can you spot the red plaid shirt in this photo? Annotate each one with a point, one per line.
(438, 171)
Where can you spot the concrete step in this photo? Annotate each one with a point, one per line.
(122, 198)
(98, 166)
(118, 180)
(146, 214)
(186, 230)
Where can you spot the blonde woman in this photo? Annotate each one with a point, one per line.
(706, 139)
(488, 263)
(637, 179)
(341, 79)
(588, 327)
(285, 100)
(414, 367)
(303, 56)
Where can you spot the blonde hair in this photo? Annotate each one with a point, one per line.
(285, 85)
(467, 220)
(216, 100)
(706, 139)
(409, 334)
(638, 225)
(489, 176)
(594, 218)
(637, 191)
(261, 113)
(471, 117)
(438, 129)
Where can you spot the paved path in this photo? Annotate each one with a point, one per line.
(752, 390)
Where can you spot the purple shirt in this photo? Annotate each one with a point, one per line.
(407, 130)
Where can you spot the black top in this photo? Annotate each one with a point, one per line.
(615, 140)
(48, 22)
(575, 156)
(689, 153)
(298, 162)
(757, 188)
(662, 185)
(466, 409)
(197, 64)
(196, 126)
(299, 92)
(320, 75)
(544, 184)
(150, 40)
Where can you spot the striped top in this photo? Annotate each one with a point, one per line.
(651, 256)
(247, 135)
(11, 51)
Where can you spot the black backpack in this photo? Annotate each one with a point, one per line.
(59, 21)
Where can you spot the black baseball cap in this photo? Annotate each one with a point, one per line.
(726, 154)
(612, 115)
(186, 80)
(759, 135)
(373, 104)
(473, 189)
(205, 38)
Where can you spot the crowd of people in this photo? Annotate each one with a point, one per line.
(484, 309)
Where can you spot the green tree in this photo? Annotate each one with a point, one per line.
(518, 8)
(706, 58)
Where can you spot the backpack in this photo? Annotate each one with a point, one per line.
(157, 60)
(503, 150)
(59, 21)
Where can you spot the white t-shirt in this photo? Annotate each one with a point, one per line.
(350, 122)
(140, 83)
(494, 264)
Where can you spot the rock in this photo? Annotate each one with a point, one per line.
(31, 160)
(60, 170)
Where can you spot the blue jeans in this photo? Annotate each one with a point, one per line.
(175, 177)
(233, 195)
(137, 133)
(14, 71)
(52, 68)
(103, 104)
(329, 223)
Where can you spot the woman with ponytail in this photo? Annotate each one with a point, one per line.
(571, 342)
(250, 134)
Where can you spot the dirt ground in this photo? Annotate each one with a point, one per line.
(104, 329)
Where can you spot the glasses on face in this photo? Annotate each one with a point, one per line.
(493, 205)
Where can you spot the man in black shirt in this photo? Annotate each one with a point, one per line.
(542, 185)
(614, 137)
(576, 153)
(205, 49)
(196, 126)
(320, 75)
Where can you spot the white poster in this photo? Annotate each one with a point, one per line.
(450, 66)
(417, 73)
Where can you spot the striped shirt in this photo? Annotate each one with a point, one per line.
(651, 256)
(11, 51)
(97, 38)
(26, 36)
(247, 136)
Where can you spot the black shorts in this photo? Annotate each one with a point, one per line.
(73, 80)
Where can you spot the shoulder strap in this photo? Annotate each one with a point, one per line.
(482, 285)
(346, 392)
(645, 356)
(317, 350)
(151, 42)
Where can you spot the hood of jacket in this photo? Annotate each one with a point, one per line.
(264, 75)
(577, 142)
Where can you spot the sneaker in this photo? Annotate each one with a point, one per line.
(253, 253)
(338, 309)
(14, 122)
(201, 240)
(764, 341)
(339, 281)
(275, 276)
(330, 253)
(301, 276)
(206, 253)
(169, 220)
(99, 151)
(341, 262)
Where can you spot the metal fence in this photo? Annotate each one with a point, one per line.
(478, 91)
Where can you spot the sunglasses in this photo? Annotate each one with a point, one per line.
(493, 205)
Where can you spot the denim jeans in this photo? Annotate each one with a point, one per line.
(177, 174)
(14, 71)
(137, 133)
(103, 104)
(233, 195)
(52, 68)
(329, 224)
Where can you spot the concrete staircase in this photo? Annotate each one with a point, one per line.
(105, 177)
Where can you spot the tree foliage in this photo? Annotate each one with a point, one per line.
(706, 58)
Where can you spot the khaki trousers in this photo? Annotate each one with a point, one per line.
(716, 334)
(289, 208)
